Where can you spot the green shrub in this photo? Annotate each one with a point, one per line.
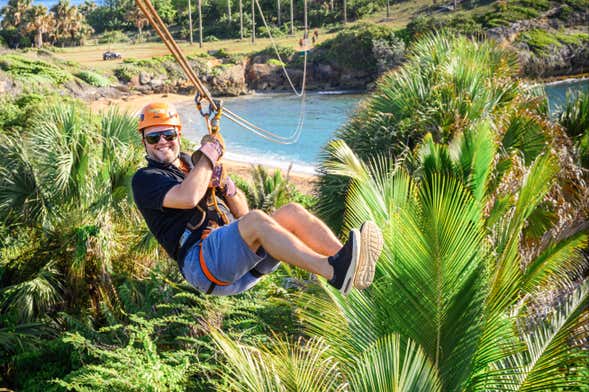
(275, 62)
(111, 37)
(284, 52)
(28, 70)
(466, 24)
(210, 38)
(540, 41)
(94, 79)
(353, 47)
(419, 26)
(579, 5)
(126, 72)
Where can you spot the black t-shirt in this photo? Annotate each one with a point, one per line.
(150, 185)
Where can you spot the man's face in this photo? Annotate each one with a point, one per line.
(164, 151)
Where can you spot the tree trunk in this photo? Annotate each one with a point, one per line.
(253, 22)
(39, 38)
(241, 19)
(388, 9)
(229, 10)
(190, 21)
(200, 23)
(306, 33)
(291, 18)
(345, 12)
(278, 7)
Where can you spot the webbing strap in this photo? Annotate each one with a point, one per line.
(205, 270)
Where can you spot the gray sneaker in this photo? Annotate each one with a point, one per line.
(371, 246)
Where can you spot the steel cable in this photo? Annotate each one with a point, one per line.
(158, 25)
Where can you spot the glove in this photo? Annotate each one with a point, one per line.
(212, 147)
(221, 180)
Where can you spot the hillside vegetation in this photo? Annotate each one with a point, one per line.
(482, 281)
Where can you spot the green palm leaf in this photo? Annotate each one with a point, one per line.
(288, 366)
(430, 274)
(550, 349)
(35, 297)
(22, 197)
(390, 365)
(62, 147)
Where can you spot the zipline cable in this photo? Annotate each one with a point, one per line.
(280, 58)
(154, 19)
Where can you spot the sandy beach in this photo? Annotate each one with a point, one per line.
(304, 182)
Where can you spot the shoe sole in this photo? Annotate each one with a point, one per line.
(370, 249)
(351, 272)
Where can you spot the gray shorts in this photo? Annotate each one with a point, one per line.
(228, 259)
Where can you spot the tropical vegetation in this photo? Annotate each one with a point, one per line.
(482, 284)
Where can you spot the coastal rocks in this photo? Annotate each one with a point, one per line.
(228, 80)
(221, 79)
(264, 76)
(556, 61)
(567, 56)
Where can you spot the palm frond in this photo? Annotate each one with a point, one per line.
(507, 274)
(560, 261)
(430, 276)
(22, 197)
(287, 366)
(63, 147)
(395, 366)
(34, 297)
(551, 361)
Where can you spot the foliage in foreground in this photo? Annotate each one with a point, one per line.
(450, 308)
(88, 299)
(447, 84)
(574, 117)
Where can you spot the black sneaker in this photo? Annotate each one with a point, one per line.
(345, 262)
(372, 243)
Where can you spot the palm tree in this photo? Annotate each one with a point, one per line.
(67, 189)
(136, 16)
(450, 307)
(13, 14)
(268, 191)
(39, 22)
(70, 26)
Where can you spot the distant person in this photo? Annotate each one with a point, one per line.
(222, 247)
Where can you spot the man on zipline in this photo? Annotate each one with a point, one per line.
(203, 221)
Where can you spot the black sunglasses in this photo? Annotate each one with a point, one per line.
(168, 134)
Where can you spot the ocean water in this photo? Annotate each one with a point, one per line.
(323, 115)
(279, 113)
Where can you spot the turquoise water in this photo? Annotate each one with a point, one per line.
(557, 91)
(279, 113)
(324, 113)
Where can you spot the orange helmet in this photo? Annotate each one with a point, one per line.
(159, 113)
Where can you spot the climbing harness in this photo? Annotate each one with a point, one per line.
(158, 25)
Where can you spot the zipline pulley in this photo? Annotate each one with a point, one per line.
(212, 114)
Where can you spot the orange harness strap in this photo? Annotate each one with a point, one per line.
(203, 265)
